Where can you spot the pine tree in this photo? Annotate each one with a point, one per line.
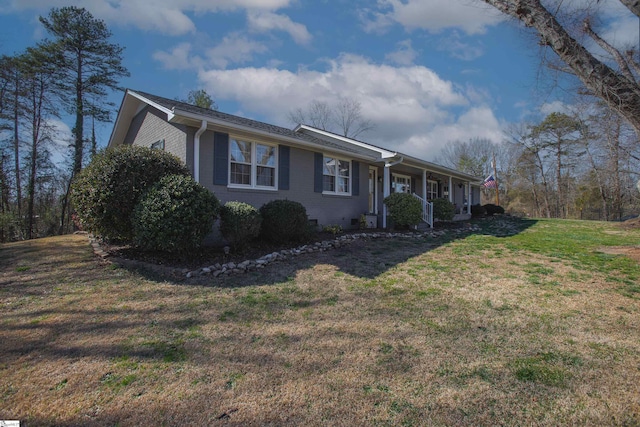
(88, 63)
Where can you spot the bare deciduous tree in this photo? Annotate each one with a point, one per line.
(344, 118)
(618, 88)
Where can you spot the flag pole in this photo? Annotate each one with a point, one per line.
(495, 176)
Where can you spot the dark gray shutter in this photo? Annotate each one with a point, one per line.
(220, 158)
(317, 172)
(355, 187)
(283, 167)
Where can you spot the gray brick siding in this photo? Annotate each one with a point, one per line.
(150, 126)
(327, 210)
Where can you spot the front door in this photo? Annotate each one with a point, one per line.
(373, 183)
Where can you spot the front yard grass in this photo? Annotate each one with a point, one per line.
(528, 322)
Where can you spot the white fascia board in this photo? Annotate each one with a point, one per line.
(384, 154)
(176, 114)
(148, 101)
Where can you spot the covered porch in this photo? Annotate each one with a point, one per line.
(425, 181)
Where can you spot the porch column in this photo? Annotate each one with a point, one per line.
(451, 189)
(385, 193)
(424, 184)
(469, 197)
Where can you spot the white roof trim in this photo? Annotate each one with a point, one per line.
(384, 154)
(223, 123)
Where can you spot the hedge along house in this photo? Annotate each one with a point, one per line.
(337, 179)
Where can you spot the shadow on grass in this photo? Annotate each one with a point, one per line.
(364, 258)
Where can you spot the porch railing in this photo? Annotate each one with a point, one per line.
(427, 210)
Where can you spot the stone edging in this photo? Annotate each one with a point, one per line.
(231, 268)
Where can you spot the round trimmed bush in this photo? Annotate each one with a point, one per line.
(492, 209)
(239, 223)
(284, 221)
(443, 209)
(175, 214)
(106, 192)
(404, 209)
(477, 210)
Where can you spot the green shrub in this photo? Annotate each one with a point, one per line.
(333, 229)
(106, 192)
(404, 209)
(492, 209)
(175, 214)
(284, 221)
(239, 223)
(443, 209)
(477, 210)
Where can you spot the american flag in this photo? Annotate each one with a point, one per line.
(490, 182)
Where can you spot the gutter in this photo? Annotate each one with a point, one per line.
(196, 151)
(176, 113)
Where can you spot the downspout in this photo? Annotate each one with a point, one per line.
(196, 151)
(385, 190)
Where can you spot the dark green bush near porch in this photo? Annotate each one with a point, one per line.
(477, 211)
(175, 214)
(443, 209)
(492, 209)
(240, 223)
(284, 221)
(404, 210)
(106, 192)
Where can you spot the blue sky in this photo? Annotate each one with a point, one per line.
(426, 72)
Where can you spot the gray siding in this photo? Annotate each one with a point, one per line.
(150, 126)
(326, 209)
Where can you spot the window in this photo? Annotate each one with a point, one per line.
(432, 190)
(252, 164)
(158, 145)
(336, 176)
(401, 184)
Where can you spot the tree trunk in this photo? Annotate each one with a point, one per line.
(79, 127)
(618, 92)
(16, 147)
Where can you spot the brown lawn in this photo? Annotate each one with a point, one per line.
(476, 331)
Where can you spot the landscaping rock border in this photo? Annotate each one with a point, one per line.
(217, 270)
(232, 268)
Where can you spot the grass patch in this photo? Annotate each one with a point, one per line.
(524, 323)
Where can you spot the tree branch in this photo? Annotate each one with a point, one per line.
(613, 88)
(615, 53)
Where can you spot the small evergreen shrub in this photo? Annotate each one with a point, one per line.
(492, 209)
(106, 192)
(175, 214)
(240, 223)
(443, 209)
(333, 229)
(284, 221)
(404, 209)
(477, 211)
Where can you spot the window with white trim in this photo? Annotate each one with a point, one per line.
(158, 145)
(252, 164)
(432, 190)
(336, 175)
(401, 183)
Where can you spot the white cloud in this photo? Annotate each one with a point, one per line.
(177, 58)
(415, 110)
(456, 48)
(472, 16)
(234, 49)
(262, 21)
(404, 54)
(164, 16)
(555, 107)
